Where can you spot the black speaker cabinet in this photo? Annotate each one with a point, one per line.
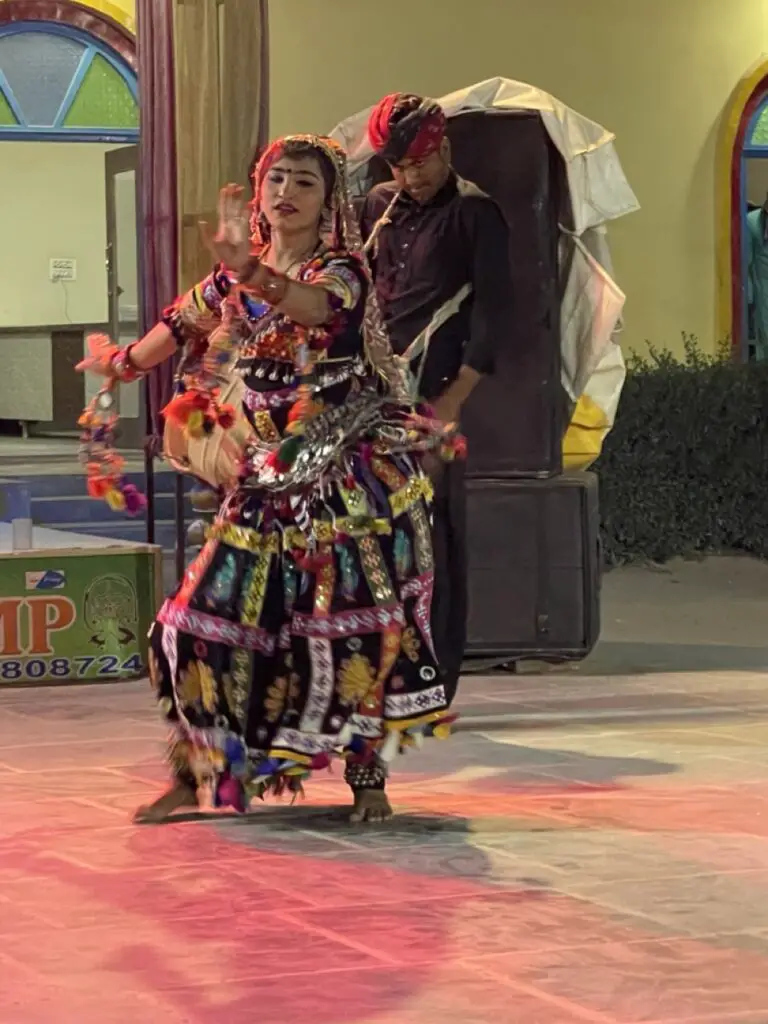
(534, 568)
(515, 421)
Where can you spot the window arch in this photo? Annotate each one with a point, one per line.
(58, 82)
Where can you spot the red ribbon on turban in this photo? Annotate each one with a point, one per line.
(403, 126)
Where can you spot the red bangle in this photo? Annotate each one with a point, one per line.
(122, 366)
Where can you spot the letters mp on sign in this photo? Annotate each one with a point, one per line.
(88, 619)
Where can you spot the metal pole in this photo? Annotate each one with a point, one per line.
(149, 458)
(181, 538)
(149, 465)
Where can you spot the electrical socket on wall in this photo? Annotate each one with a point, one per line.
(62, 270)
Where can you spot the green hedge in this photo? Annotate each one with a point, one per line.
(685, 469)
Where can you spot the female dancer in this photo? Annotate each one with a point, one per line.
(301, 631)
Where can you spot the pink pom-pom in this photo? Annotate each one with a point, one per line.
(135, 502)
(229, 793)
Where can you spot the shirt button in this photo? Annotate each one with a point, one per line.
(401, 266)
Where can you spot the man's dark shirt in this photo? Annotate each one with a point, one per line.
(424, 257)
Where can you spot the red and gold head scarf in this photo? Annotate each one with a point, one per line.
(403, 126)
(335, 156)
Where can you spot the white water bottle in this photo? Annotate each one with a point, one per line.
(20, 514)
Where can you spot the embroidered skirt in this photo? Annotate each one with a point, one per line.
(291, 642)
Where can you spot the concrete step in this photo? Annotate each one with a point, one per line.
(57, 511)
(134, 530)
(72, 485)
(60, 501)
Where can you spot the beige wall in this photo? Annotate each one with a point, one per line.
(52, 204)
(658, 73)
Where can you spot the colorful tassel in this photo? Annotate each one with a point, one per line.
(135, 502)
(115, 499)
(105, 478)
(195, 425)
(303, 409)
(225, 416)
(358, 745)
(97, 486)
(282, 458)
(230, 793)
(313, 562)
(181, 407)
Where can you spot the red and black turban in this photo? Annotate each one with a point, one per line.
(404, 126)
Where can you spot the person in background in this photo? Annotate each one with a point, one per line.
(757, 276)
(439, 252)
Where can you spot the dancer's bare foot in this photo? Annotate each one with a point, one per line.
(371, 807)
(174, 799)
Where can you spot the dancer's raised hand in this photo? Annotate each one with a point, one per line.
(230, 244)
(101, 352)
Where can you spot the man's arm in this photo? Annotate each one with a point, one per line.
(488, 237)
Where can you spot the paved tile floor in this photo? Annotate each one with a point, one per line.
(612, 873)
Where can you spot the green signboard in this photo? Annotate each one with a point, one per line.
(71, 615)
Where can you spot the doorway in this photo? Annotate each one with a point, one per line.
(122, 263)
(754, 232)
(68, 141)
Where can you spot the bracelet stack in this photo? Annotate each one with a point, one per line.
(123, 368)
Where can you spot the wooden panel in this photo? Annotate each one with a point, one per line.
(68, 385)
(26, 386)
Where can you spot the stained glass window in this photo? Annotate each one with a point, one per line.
(759, 136)
(38, 69)
(59, 82)
(103, 99)
(6, 114)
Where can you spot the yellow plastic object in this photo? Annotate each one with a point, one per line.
(586, 432)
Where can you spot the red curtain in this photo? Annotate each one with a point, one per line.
(230, 40)
(158, 242)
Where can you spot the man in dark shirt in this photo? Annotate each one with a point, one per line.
(437, 242)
